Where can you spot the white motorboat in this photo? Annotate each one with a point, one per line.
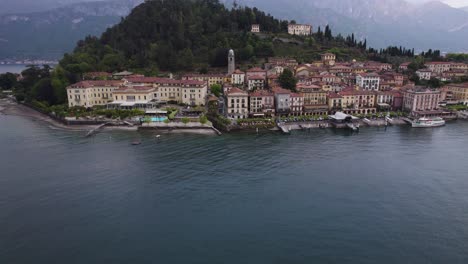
(428, 122)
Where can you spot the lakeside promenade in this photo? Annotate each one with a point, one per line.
(10, 107)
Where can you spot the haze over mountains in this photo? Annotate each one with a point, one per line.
(383, 22)
(50, 33)
(28, 6)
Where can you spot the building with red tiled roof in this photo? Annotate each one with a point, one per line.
(421, 99)
(188, 91)
(404, 66)
(334, 101)
(297, 104)
(256, 72)
(256, 82)
(238, 77)
(262, 103)
(368, 81)
(210, 78)
(438, 66)
(282, 101)
(356, 101)
(237, 103)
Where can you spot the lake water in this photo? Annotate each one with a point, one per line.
(396, 195)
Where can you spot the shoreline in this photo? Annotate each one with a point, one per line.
(10, 108)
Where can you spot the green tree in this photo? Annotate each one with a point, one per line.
(216, 89)
(203, 119)
(287, 80)
(7, 81)
(185, 59)
(43, 91)
(434, 83)
(185, 120)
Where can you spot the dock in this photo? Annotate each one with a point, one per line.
(353, 126)
(95, 130)
(216, 131)
(284, 129)
(407, 120)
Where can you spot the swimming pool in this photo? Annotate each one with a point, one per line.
(154, 119)
(158, 119)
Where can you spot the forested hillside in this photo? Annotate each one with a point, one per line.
(181, 35)
(189, 35)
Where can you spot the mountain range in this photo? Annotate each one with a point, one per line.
(49, 34)
(428, 25)
(29, 6)
(383, 22)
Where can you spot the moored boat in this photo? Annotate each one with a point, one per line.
(428, 122)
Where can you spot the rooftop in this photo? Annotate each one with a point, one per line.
(97, 83)
(261, 93)
(236, 91)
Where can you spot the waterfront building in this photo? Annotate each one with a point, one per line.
(358, 101)
(297, 104)
(421, 99)
(262, 103)
(368, 81)
(424, 74)
(255, 28)
(282, 101)
(300, 29)
(335, 101)
(231, 62)
(91, 93)
(238, 77)
(133, 97)
(190, 92)
(315, 99)
(438, 66)
(237, 103)
(397, 101)
(459, 92)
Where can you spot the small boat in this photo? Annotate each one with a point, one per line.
(428, 122)
(158, 136)
(135, 143)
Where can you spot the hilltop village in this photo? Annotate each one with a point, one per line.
(281, 87)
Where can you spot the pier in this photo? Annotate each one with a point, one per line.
(284, 129)
(95, 130)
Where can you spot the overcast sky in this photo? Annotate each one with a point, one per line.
(454, 3)
(457, 3)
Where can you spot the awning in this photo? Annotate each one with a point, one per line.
(128, 104)
(155, 111)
